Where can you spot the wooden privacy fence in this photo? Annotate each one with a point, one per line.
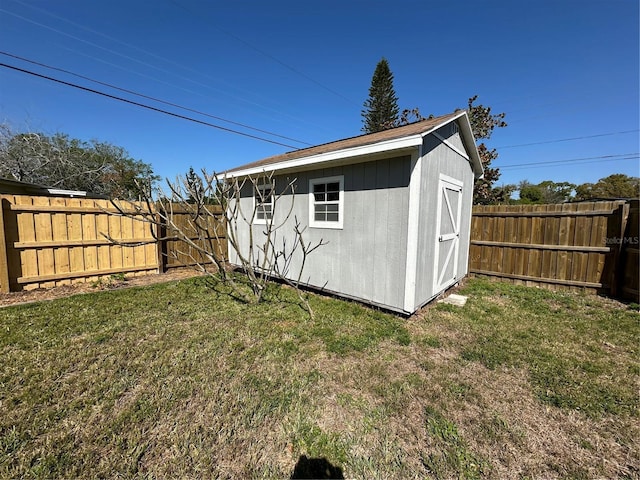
(51, 241)
(176, 253)
(591, 246)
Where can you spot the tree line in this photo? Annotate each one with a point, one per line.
(617, 185)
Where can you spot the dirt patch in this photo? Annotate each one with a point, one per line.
(42, 294)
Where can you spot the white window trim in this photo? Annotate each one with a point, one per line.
(313, 223)
(262, 186)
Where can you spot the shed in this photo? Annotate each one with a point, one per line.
(394, 207)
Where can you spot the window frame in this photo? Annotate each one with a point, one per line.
(256, 204)
(313, 223)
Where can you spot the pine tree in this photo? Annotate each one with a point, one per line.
(381, 108)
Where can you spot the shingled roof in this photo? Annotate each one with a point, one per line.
(420, 128)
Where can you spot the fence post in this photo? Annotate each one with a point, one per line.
(4, 260)
(161, 242)
(617, 272)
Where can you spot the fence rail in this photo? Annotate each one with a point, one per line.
(589, 245)
(51, 241)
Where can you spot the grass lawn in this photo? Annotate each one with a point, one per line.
(178, 380)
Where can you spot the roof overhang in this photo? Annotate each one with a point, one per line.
(349, 155)
(382, 149)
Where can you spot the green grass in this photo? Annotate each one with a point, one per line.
(181, 380)
(567, 342)
(452, 457)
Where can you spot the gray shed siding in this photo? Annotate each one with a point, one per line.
(438, 158)
(366, 259)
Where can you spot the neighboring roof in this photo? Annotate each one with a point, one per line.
(15, 187)
(393, 139)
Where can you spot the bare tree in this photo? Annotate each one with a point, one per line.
(200, 212)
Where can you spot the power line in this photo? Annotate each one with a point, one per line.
(569, 139)
(100, 47)
(269, 56)
(104, 35)
(150, 98)
(142, 105)
(580, 163)
(623, 156)
(188, 79)
(119, 54)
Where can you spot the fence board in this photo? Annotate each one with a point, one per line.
(102, 244)
(629, 282)
(90, 252)
(76, 255)
(582, 237)
(535, 256)
(596, 262)
(43, 233)
(60, 249)
(26, 233)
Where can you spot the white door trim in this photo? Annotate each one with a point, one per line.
(453, 239)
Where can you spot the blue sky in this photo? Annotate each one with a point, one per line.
(559, 69)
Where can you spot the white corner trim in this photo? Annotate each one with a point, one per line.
(413, 228)
(451, 146)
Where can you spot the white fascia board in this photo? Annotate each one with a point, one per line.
(463, 113)
(385, 146)
(70, 193)
(470, 141)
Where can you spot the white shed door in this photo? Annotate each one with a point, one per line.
(447, 233)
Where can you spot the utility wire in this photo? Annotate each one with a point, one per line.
(188, 79)
(142, 105)
(269, 56)
(119, 54)
(113, 52)
(622, 156)
(104, 35)
(580, 163)
(150, 98)
(569, 139)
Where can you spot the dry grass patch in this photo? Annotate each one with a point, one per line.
(179, 380)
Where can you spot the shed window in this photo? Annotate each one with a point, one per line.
(263, 197)
(326, 208)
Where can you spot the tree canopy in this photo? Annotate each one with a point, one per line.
(483, 122)
(547, 191)
(58, 161)
(381, 108)
(617, 185)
